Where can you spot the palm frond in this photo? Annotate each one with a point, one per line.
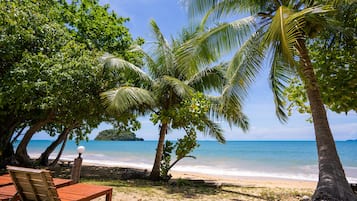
(125, 98)
(165, 60)
(244, 67)
(214, 130)
(220, 8)
(214, 100)
(149, 60)
(236, 117)
(192, 55)
(207, 47)
(209, 78)
(279, 75)
(110, 61)
(283, 35)
(287, 27)
(180, 88)
(226, 37)
(229, 108)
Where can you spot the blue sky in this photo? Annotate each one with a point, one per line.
(170, 15)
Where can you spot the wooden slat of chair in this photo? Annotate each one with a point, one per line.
(7, 192)
(33, 184)
(46, 190)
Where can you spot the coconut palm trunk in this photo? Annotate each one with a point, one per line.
(155, 172)
(332, 184)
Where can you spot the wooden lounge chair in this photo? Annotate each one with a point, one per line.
(8, 189)
(37, 184)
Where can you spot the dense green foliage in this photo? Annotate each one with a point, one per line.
(50, 74)
(334, 56)
(117, 135)
(195, 110)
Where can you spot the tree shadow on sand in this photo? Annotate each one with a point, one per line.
(137, 179)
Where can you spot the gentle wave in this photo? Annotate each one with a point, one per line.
(306, 175)
(282, 160)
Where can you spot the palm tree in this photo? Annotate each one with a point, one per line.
(164, 84)
(277, 30)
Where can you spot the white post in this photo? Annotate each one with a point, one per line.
(76, 169)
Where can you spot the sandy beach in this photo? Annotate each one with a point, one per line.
(216, 179)
(129, 185)
(248, 181)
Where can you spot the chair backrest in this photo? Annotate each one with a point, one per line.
(33, 184)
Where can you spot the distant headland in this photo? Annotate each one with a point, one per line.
(352, 140)
(116, 135)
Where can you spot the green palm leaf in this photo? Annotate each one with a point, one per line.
(209, 78)
(149, 61)
(180, 88)
(220, 8)
(111, 61)
(125, 98)
(214, 130)
(164, 54)
(283, 35)
(279, 76)
(228, 36)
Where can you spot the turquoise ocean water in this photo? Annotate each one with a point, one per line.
(274, 159)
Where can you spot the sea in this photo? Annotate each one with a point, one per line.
(264, 159)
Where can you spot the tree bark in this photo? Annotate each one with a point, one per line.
(18, 134)
(54, 162)
(21, 151)
(7, 129)
(43, 160)
(155, 172)
(332, 184)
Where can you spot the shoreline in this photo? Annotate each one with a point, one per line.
(253, 181)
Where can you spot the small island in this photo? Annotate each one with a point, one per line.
(117, 135)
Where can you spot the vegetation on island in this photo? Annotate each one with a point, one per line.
(277, 31)
(117, 135)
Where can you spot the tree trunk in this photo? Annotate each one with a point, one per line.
(332, 184)
(21, 151)
(155, 172)
(43, 160)
(54, 162)
(18, 134)
(7, 129)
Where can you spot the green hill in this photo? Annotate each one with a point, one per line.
(115, 135)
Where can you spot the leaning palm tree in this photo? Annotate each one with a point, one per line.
(277, 30)
(164, 84)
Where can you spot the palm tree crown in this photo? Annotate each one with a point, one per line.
(165, 83)
(276, 31)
